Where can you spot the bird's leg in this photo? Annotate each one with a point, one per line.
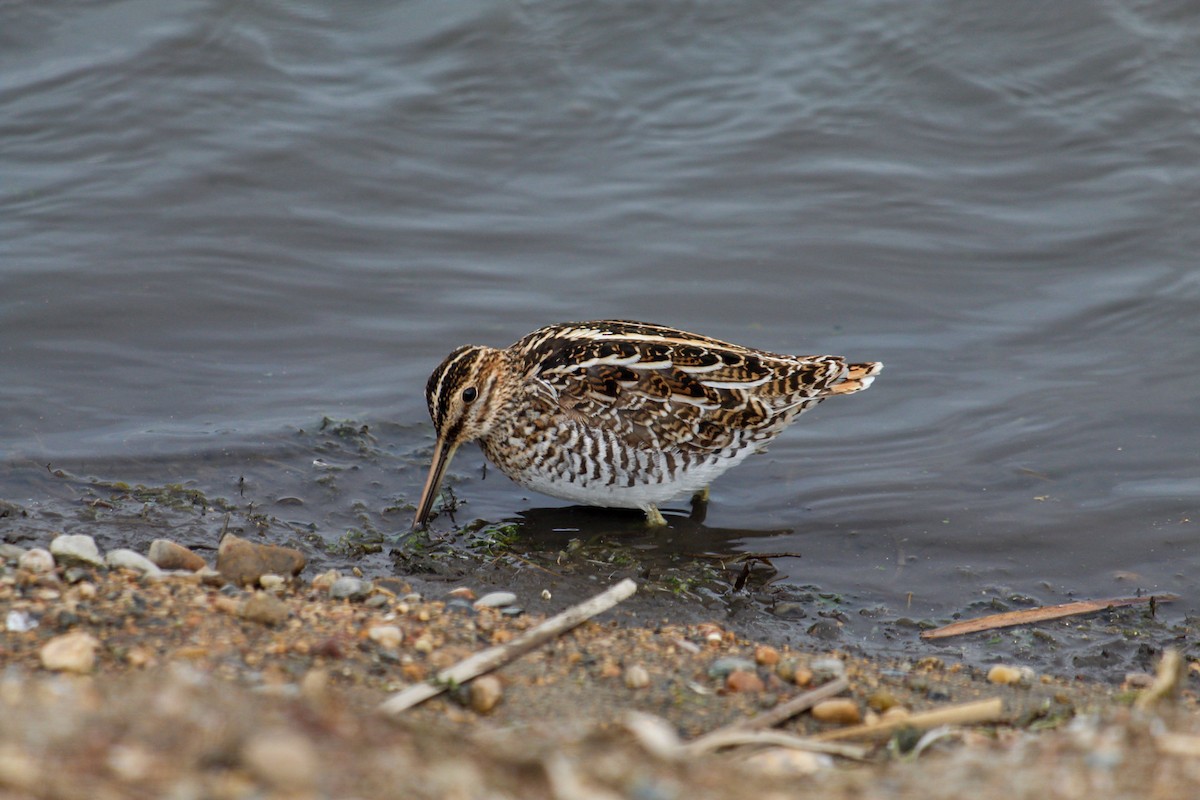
(654, 517)
(699, 505)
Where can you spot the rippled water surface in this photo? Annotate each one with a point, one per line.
(221, 222)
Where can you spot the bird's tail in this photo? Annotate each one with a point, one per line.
(858, 377)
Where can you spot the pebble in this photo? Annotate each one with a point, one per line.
(1009, 676)
(348, 588)
(839, 710)
(71, 652)
(882, 700)
(123, 558)
(76, 550)
(243, 562)
(460, 605)
(323, 581)
(171, 555)
(284, 761)
(742, 681)
(20, 622)
(486, 693)
(264, 608)
(463, 592)
(722, 667)
(826, 629)
(766, 655)
(637, 677)
(36, 560)
(76, 574)
(271, 582)
(11, 552)
(388, 636)
(827, 669)
(496, 600)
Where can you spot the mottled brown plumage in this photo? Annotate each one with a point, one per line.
(618, 413)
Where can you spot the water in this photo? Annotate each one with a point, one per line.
(221, 222)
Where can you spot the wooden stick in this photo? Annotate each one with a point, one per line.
(490, 659)
(726, 737)
(1025, 617)
(962, 714)
(772, 717)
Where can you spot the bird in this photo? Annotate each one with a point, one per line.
(621, 414)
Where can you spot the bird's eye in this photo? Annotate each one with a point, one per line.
(469, 394)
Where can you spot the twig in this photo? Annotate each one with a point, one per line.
(780, 713)
(962, 714)
(490, 659)
(726, 737)
(1170, 674)
(1027, 616)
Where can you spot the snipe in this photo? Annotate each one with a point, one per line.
(621, 414)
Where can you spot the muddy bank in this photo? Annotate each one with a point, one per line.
(196, 687)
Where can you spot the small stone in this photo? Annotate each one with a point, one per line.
(1010, 676)
(71, 652)
(76, 550)
(243, 562)
(826, 629)
(171, 555)
(881, 700)
(722, 667)
(36, 560)
(546, 594)
(323, 581)
(636, 677)
(348, 588)
(486, 693)
(838, 710)
(283, 760)
(803, 677)
(424, 645)
(20, 621)
(386, 636)
(264, 608)
(743, 681)
(827, 669)
(139, 657)
(461, 606)
(377, 600)
(496, 600)
(123, 558)
(463, 592)
(11, 552)
(271, 582)
(766, 656)
(76, 574)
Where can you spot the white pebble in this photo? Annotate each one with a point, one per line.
(388, 636)
(77, 549)
(36, 560)
(71, 652)
(128, 559)
(496, 600)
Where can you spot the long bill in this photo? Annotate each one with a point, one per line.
(442, 453)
